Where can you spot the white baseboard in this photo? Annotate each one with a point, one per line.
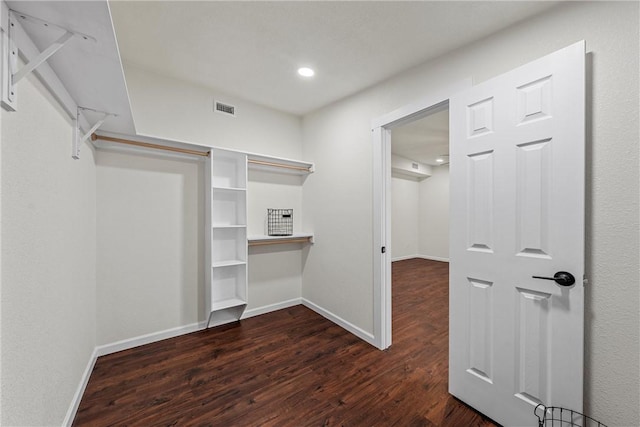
(126, 344)
(429, 257)
(271, 307)
(149, 338)
(402, 258)
(77, 397)
(360, 333)
(433, 258)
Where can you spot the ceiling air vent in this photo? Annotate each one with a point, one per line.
(225, 108)
(415, 166)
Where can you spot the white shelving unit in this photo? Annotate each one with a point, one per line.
(226, 216)
(226, 222)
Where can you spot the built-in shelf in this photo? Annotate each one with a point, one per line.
(228, 263)
(230, 189)
(260, 240)
(227, 244)
(227, 303)
(279, 164)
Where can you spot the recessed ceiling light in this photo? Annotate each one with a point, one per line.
(306, 72)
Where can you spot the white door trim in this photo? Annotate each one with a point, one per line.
(381, 130)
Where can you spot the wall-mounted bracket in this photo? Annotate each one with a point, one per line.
(79, 137)
(11, 74)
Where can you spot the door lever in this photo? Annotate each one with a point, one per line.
(562, 278)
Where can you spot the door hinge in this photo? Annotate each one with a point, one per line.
(384, 249)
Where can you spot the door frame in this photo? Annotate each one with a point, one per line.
(381, 130)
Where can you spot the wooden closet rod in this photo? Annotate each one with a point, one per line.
(278, 242)
(95, 137)
(278, 165)
(149, 145)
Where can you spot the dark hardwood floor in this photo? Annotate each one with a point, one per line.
(291, 368)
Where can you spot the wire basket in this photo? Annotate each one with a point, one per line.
(553, 416)
(279, 222)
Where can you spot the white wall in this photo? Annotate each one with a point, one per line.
(150, 216)
(404, 218)
(275, 272)
(48, 259)
(434, 215)
(420, 216)
(150, 245)
(338, 272)
(172, 109)
(1, 115)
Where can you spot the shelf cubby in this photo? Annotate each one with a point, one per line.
(228, 207)
(228, 244)
(228, 286)
(228, 169)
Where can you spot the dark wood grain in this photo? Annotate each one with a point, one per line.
(291, 368)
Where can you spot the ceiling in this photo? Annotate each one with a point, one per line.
(423, 140)
(252, 49)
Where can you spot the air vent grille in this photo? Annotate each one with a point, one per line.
(225, 108)
(415, 166)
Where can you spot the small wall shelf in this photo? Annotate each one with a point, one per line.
(262, 240)
(279, 165)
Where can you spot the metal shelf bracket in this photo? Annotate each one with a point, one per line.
(10, 50)
(79, 137)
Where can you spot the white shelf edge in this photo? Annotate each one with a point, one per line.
(227, 303)
(264, 240)
(260, 237)
(230, 189)
(229, 263)
(228, 226)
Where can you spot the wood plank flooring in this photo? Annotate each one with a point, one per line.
(291, 368)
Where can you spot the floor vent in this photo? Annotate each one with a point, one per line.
(225, 108)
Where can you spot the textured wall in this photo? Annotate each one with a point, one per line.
(48, 258)
(338, 272)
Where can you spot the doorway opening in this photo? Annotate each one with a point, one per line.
(420, 189)
(437, 105)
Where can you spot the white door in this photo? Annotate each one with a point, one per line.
(517, 211)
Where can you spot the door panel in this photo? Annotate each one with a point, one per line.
(517, 211)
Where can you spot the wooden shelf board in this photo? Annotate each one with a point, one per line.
(279, 164)
(295, 238)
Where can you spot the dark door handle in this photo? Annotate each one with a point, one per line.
(562, 278)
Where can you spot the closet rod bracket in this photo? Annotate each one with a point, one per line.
(10, 52)
(79, 137)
